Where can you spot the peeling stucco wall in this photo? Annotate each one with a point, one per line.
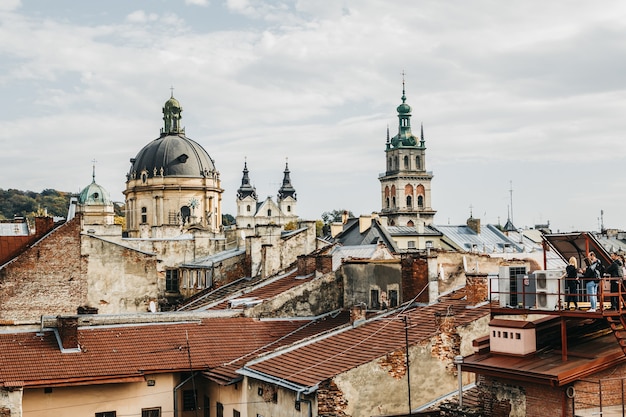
(11, 402)
(317, 297)
(380, 386)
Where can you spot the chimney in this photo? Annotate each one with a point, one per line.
(357, 314)
(476, 288)
(474, 224)
(365, 222)
(68, 332)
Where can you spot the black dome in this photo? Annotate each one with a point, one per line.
(172, 155)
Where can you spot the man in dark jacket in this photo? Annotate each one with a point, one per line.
(616, 272)
(592, 276)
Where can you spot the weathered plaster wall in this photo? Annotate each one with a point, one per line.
(273, 401)
(270, 253)
(119, 279)
(380, 387)
(359, 278)
(317, 297)
(11, 402)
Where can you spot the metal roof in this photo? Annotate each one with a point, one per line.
(14, 229)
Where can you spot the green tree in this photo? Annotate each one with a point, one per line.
(228, 220)
(333, 216)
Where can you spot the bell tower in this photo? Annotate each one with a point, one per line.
(405, 185)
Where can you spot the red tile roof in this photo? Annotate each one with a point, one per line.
(326, 357)
(114, 352)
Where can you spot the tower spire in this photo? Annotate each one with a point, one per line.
(93, 171)
(286, 190)
(246, 189)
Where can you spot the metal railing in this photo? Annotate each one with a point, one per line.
(554, 294)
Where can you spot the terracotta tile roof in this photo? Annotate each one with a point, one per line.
(314, 362)
(114, 352)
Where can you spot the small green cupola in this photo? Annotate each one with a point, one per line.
(405, 137)
(172, 113)
(94, 194)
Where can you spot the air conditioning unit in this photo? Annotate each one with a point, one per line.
(526, 290)
(550, 289)
(504, 287)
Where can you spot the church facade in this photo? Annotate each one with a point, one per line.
(251, 212)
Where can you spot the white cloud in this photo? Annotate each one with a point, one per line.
(504, 92)
(202, 3)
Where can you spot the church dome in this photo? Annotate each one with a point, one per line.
(172, 154)
(94, 194)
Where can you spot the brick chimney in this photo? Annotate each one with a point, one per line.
(43, 225)
(357, 313)
(68, 332)
(474, 224)
(476, 288)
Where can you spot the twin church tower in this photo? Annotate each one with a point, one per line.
(173, 185)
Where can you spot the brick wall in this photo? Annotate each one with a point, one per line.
(504, 398)
(476, 288)
(48, 278)
(414, 278)
(612, 384)
(330, 400)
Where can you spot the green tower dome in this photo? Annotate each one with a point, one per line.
(94, 194)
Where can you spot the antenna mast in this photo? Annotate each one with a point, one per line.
(511, 194)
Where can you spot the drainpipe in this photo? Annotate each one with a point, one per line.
(176, 388)
(458, 360)
(299, 399)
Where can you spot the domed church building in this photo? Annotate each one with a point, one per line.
(94, 202)
(172, 186)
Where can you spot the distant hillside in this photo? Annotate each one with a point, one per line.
(28, 203)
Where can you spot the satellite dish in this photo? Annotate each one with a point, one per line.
(153, 308)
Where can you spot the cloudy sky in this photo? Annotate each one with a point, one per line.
(528, 96)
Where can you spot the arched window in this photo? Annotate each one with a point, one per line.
(410, 223)
(185, 214)
(420, 201)
(248, 208)
(288, 209)
(144, 215)
(396, 163)
(269, 213)
(418, 163)
(406, 162)
(387, 202)
(389, 164)
(409, 202)
(394, 201)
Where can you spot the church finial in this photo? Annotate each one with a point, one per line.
(93, 171)
(172, 90)
(403, 93)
